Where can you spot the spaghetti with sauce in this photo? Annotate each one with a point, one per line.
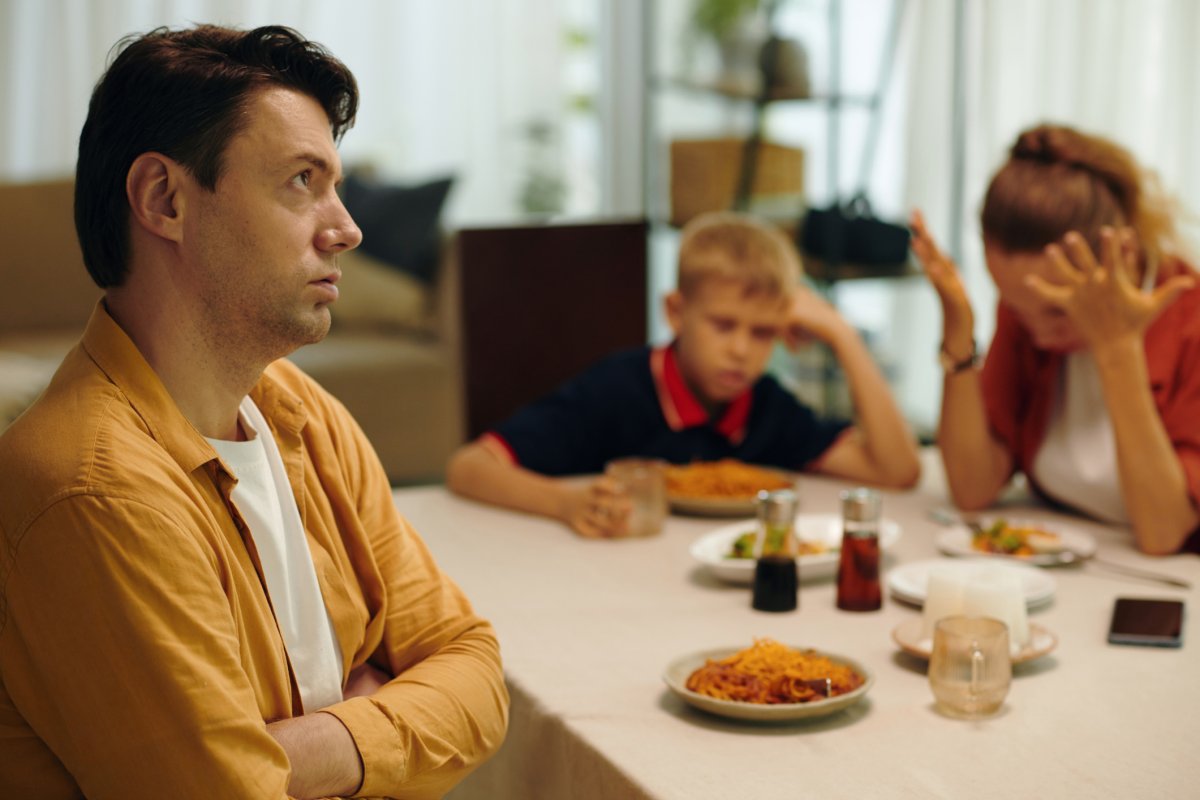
(771, 673)
(724, 479)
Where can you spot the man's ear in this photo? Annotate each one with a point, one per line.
(152, 187)
(673, 305)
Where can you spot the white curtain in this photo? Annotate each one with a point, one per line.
(447, 86)
(1125, 69)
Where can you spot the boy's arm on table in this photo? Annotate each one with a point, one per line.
(481, 470)
(881, 449)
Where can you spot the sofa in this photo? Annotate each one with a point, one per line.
(391, 355)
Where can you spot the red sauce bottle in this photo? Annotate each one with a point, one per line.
(858, 585)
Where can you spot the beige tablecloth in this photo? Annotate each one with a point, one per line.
(587, 628)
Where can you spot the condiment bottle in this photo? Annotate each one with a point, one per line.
(858, 587)
(776, 577)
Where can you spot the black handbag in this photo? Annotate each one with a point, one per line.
(848, 232)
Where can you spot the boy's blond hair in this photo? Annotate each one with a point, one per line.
(722, 245)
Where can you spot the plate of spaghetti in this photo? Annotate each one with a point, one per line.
(767, 681)
(721, 488)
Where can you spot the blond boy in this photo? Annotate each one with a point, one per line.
(702, 397)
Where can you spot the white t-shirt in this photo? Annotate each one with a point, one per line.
(265, 500)
(1077, 462)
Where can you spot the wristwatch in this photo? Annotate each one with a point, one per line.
(953, 366)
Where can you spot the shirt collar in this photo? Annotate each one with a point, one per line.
(119, 358)
(681, 408)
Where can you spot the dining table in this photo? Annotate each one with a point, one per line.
(587, 628)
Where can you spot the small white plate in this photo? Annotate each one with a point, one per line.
(908, 582)
(712, 549)
(956, 541)
(908, 636)
(680, 669)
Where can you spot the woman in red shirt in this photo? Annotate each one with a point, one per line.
(1091, 385)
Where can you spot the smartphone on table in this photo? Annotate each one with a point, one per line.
(1147, 621)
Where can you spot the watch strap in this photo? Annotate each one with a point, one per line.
(953, 366)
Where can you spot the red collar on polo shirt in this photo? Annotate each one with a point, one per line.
(680, 406)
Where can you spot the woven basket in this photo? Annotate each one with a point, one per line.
(705, 172)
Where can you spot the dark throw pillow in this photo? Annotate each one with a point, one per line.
(400, 224)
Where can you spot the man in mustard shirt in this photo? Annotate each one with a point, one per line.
(205, 589)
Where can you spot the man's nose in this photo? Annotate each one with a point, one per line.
(340, 232)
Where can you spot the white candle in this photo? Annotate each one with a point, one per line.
(944, 591)
(996, 593)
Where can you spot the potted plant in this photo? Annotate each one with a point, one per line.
(738, 30)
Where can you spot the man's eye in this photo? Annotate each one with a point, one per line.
(723, 325)
(303, 179)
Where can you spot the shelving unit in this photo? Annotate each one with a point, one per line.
(747, 111)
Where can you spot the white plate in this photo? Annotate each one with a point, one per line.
(680, 669)
(908, 582)
(908, 635)
(956, 541)
(713, 507)
(713, 548)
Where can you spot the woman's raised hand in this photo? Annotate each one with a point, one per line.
(958, 319)
(1101, 298)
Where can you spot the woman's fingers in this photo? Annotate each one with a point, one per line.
(1049, 292)
(1168, 292)
(1082, 257)
(922, 243)
(1129, 251)
(1062, 267)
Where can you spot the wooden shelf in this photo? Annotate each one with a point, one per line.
(741, 93)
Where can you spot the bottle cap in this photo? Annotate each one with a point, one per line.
(860, 505)
(777, 507)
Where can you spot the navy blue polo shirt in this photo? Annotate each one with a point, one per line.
(636, 403)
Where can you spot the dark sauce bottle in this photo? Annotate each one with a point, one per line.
(776, 576)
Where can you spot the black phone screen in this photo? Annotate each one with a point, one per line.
(1147, 622)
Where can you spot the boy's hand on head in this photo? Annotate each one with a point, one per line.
(812, 318)
(599, 510)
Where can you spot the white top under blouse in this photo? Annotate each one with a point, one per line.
(265, 500)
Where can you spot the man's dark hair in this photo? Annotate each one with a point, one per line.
(183, 94)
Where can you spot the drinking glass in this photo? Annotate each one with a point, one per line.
(970, 669)
(644, 480)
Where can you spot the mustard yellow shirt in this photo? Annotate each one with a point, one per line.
(139, 656)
